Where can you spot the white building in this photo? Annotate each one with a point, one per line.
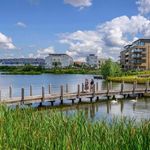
(92, 60)
(58, 60)
(102, 61)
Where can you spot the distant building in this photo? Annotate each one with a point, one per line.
(101, 61)
(136, 56)
(58, 60)
(79, 63)
(22, 62)
(92, 60)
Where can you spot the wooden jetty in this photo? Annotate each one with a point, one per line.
(65, 94)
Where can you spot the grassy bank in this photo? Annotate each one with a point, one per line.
(28, 129)
(30, 70)
(129, 79)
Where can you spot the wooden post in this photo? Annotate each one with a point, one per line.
(136, 84)
(122, 87)
(49, 89)
(22, 95)
(61, 93)
(30, 90)
(10, 92)
(78, 91)
(97, 87)
(94, 90)
(82, 87)
(107, 88)
(147, 86)
(134, 87)
(67, 88)
(110, 85)
(43, 93)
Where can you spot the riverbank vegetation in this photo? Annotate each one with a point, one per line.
(32, 70)
(113, 72)
(110, 69)
(31, 129)
(129, 79)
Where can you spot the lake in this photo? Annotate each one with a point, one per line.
(96, 111)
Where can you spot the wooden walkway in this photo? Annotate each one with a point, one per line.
(80, 94)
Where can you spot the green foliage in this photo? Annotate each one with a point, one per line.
(131, 76)
(30, 70)
(110, 68)
(30, 129)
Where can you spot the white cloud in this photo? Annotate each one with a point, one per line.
(82, 43)
(42, 53)
(21, 24)
(108, 39)
(6, 42)
(143, 6)
(79, 3)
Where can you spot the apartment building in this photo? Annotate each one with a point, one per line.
(22, 62)
(58, 60)
(92, 60)
(101, 61)
(136, 56)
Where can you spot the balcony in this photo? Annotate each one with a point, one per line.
(137, 50)
(136, 56)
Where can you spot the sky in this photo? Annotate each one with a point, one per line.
(35, 28)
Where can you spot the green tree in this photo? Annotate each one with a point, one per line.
(110, 68)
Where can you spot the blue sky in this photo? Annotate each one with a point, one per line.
(34, 28)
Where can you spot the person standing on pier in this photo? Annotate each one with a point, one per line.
(91, 85)
(86, 85)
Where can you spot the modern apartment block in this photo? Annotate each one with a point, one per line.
(136, 56)
(92, 60)
(58, 60)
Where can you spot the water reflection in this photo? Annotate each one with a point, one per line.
(99, 110)
(96, 111)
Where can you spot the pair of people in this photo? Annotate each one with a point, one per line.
(87, 86)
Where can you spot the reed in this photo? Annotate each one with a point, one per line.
(30, 129)
(129, 79)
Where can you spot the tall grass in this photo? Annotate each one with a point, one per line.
(129, 79)
(30, 129)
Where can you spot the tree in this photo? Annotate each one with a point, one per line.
(110, 68)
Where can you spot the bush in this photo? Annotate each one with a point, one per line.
(110, 69)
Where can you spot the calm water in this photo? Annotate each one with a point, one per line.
(139, 109)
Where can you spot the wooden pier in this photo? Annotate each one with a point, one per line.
(65, 94)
